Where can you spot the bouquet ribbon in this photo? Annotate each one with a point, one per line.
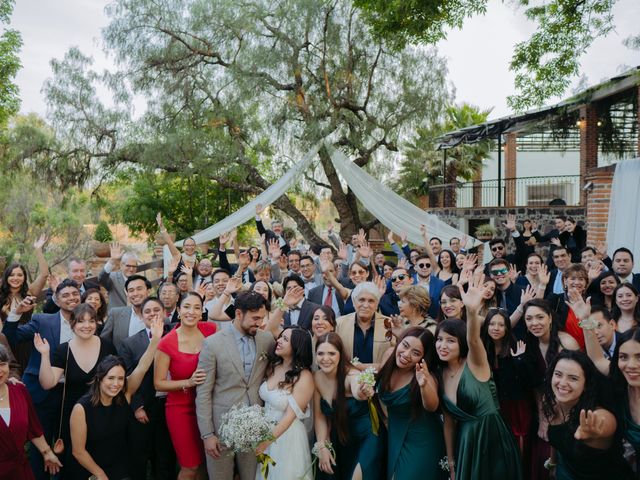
(375, 419)
(265, 461)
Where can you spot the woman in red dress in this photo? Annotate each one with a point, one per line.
(18, 424)
(178, 355)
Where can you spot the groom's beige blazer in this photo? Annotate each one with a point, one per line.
(225, 384)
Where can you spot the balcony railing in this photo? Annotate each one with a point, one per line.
(510, 192)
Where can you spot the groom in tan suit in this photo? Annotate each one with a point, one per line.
(235, 362)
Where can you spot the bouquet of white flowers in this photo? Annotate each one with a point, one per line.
(244, 428)
(368, 377)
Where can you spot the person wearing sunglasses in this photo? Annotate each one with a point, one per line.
(426, 279)
(389, 303)
(509, 294)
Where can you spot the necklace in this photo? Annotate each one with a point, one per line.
(452, 375)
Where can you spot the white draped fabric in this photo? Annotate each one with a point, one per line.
(391, 209)
(623, 229)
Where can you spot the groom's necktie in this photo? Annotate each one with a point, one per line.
(245, 357)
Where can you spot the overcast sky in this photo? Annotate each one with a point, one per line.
(478, 55)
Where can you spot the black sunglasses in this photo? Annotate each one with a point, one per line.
(424, 265)
(402, 276)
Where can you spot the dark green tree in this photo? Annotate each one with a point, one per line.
(10, 43)
(544, 64)
(237, 91)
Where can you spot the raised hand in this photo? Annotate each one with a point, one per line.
(472, 298)
(54, 281)
(556, 241)
(423, 232)
(510, 224)
(364, 249)
(325, 266)
(224, 238)
(601, 248)
(463, 241)
(293, 296)
(403, 237)
(527, 294)
(381, 283)
(465, 276)
(202, 290)
(259, 209)
(27, 304)
(403, 263)
(595, 270)
(283, 262)
(186, 269)
(243, 260)
(521, 347)
(470, 262)
(233, 235)
(421, 373)
(116, 251)
(591, 426)
(390, 237)
(160, 223)
(293, 243)
(233, 285)
(39, 243)
(263, 239)
(543, 275)
(157, 329)
(513, 273)
(342, 251)
(273, 247)
(41, 344)
(581, 307)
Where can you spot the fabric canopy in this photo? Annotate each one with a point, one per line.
(391, 209)
(623, 229)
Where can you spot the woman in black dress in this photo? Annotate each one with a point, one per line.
(100, 419)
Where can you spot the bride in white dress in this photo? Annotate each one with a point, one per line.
(287, 392)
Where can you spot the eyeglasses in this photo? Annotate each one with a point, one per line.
(400, 277)
(388, 335)
(496, 248)
(131, 266)
(424, 265)
(502, 271)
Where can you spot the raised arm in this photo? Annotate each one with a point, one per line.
(135, 378)
(217, 313)
(175, 253)
(48, 375)
(428, 387)
(259, 225)
(344, 292)
(427, 247)
(477, 357)
(43, 268)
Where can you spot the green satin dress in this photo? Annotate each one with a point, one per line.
(363, 447)
(485, 446)
(415, 443)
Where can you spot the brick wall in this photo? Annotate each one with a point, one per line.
(598, 197)
(588, 143)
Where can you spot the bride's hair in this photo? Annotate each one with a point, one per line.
(341, 408)
(301, 356)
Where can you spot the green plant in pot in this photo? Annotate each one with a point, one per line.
(102, 236)
(485, 231)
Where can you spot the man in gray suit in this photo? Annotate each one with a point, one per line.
(123, 322)
(235, 362)
(114, 281)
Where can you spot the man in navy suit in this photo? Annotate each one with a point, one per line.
(623, 267)
(425, 278)
(508, 292)
(301, 312)
(150, 441)
(55, 328)
(276, 232)
(400, 279)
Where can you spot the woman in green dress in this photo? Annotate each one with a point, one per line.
(479, 444)
(341, 416)
(410, 392)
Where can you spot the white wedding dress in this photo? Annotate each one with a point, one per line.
(291, 451)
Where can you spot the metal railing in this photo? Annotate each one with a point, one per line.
(516, 192)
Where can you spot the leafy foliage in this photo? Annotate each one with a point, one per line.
(102, 233)
(543, 65)
(10, 43)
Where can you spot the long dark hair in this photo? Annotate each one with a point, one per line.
(5, 290)
(340, 410)
(506, 342)
(390, 366)
(452, 256)
(591, 396)
(101, 313)
(554, 339)
(103, 368)
(456, 328)
(597, 297)
(616, 313)
(269, 297)
(302, 356)
(451, 291)
(615, 374)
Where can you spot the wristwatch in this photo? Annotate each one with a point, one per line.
(208, 435)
